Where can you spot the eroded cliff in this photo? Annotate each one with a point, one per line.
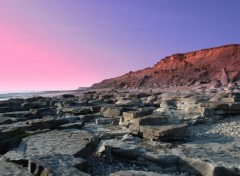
(203, 66)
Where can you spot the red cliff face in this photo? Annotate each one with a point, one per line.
(201, 66)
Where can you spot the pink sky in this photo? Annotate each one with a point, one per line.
(60, 44)
(33, 60)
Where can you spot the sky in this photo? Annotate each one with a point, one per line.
(66, 44)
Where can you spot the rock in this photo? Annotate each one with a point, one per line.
(232, 86)
(58, 165)
(152, 120)
(10, 169)
(124, 103)
(45, 123)
(36, 103)
(198, 167)
(11, 105)
(104, 96)
(142, 95)
(224, 77)
(231, 108)
(165, 133)
(89, 117)
(130, 115)
(113, 112)
(113, 121)
(69, 103)
(235, 96)
(10, 138)
(85, 110)
(43, 112)
(87, 97)
(165, 161)
(155, 119)
(95, 102)
(56, 149)
(121, 148)
(220, 170)
(68, 96)
(135, 173)
(69, 142)
(77, 110)
(15, 114)
(216, 83)
(128, 137)
(7, 120)
(95, 109)
(178, 69)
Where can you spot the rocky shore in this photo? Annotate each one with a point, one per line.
(123, 132)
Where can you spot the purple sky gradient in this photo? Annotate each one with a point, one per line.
(62, 44)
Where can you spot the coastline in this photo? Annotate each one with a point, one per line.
(23, 95)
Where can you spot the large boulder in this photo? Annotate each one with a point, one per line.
(131, 115)
(154, 120)
(198, 167)
(172, 132)
(125, 148)
(113, 112)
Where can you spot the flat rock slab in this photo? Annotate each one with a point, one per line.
(129, 117)
(47, 122)
(123, 148)
(58, 165)
(199, 157)
(55, 149)
(113, 112)
(155, 119)
(9, 169)
(161, 133)
(222, 154)
(137, 113)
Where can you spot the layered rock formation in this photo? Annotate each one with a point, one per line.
(203, 66)
(122, 132)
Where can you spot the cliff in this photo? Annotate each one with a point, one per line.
(203, 66)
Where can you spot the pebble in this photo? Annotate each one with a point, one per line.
(98, 167)
(228, 127)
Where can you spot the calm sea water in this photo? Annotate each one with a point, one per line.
(26, 94)
(8, 95)
(4, 95)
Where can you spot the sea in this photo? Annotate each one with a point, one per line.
(25, 94)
